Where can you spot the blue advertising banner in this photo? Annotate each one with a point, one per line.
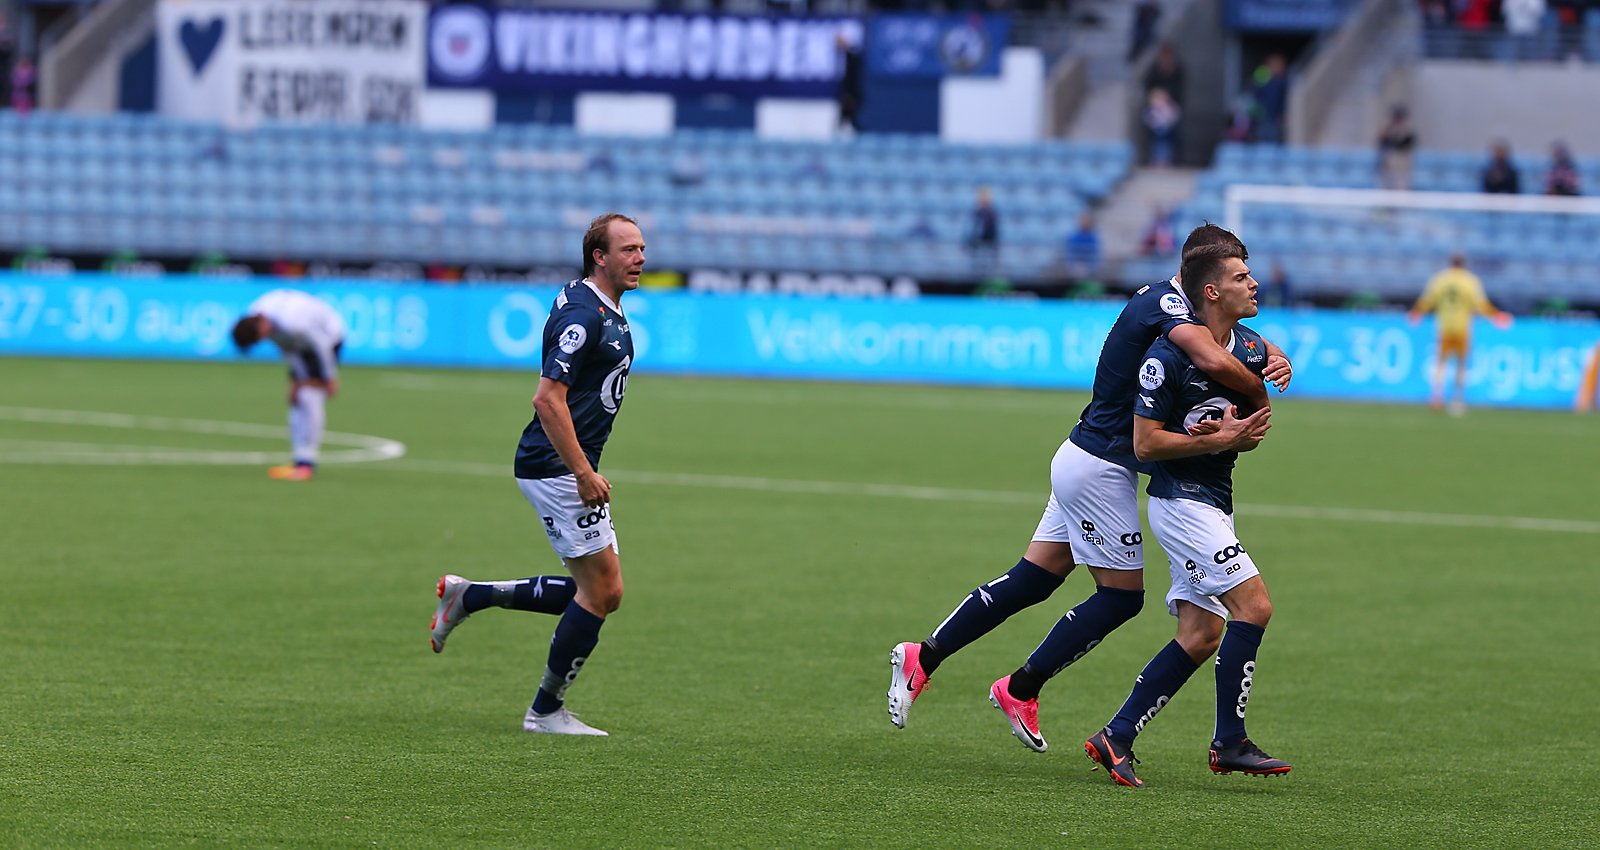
(532, 50)
(1285, 15)
(936, 45)
(1046, 344)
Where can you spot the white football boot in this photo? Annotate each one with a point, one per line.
(558, 722)
(451, 610)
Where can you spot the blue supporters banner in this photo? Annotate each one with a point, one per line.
(936, 45)
(539, 50)
(1045, 344)
(1286, 15)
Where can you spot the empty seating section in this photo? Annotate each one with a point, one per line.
(1336, 252)
(520, 194)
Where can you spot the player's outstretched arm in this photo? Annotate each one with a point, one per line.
(1197, 342)
(1152, 442)
(550, 402)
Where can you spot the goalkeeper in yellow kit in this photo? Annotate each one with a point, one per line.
(1455, 295)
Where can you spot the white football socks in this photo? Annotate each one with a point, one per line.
(307, 417)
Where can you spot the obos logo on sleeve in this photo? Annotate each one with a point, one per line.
(573, 338)
(1173, 305)
(1151, 374)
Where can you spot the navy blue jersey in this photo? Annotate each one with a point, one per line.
(587, 346)
(1105, 428)
(1174, 391)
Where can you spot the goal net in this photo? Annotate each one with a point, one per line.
(1371, 246)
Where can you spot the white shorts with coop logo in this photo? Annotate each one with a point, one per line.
(1204, 554)
(574, 529)
(1094, 506)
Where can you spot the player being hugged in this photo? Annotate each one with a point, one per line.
(1191, 512)
(1091, 517)
(588, 351)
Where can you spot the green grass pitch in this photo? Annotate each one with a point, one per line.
(197, 656)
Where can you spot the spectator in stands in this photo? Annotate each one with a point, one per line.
(1146, 14)
(1166, 72)
(1081, 252)
(22, 76)
(688, 169)
(1271, 92)
(1562, 178)
(850, 83)
(1500, 175)
(1522, 25)
(983, 239)
(5, 56)
(1436, 14)
(1159, 239)
(1395, 146)
(1275, 289)
(1241, 120)
(1161, 116)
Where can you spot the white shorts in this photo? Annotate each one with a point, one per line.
(574, 529)
(1203, 553)
(1094, 506)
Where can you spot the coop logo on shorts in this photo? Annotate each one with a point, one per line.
(573, 338)
(1151, 374)
(459, 42)
(1173, 305)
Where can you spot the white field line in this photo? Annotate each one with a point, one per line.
(947, 494)
(778, 394)
(363, 448)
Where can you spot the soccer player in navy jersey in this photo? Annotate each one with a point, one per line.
(588, 351)
(1092, 515)
(1191, 512)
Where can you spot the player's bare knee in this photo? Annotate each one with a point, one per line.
(1055, 558)
(1257, 611)
(1199, 645)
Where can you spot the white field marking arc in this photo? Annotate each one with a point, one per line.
(947, 494)
(363, 448)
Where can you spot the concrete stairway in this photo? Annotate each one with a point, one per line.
(1127, 213)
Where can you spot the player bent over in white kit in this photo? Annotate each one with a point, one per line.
(1191, 511)
(309, 333)
(588, 350)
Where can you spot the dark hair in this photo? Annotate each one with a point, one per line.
(1204, 264)
(1211, 234)
(598, 238)
(247, 332)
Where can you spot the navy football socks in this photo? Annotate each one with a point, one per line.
(576, 635)
(1074, 635)
(1155, 687)
(542, 594)
(988, 606)
(1236, 669)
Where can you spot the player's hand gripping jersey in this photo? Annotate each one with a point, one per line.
(1172, 390)
(587, 346)
(1105, 429)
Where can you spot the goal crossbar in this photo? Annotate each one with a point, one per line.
(1236, 195)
